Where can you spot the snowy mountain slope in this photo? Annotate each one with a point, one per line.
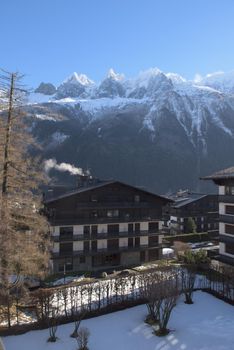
(221, 81)
(193, 104)
(122, 126)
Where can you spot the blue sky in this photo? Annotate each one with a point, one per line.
(49, 39)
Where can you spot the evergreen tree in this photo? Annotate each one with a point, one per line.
(191, 226)
(24, 240)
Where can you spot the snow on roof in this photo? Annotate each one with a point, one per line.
(227, 173)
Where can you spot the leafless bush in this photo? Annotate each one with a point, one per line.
(78, 316)
(161, 290)
(180, 248)
(82, 339)
(167, 294)
(53, 321)
(188, 279)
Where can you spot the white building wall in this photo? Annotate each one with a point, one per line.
(123, 227)
(221, 248)
(221, 190)
(144, 226)
(123, 242)
(78, 246)
(102, 244)
(144, 240)
(78, 230)
(55, 248)
(221, 208)
(54, 230)
(160, 238)
(102, 228)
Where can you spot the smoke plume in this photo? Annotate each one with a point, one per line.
(52, 164)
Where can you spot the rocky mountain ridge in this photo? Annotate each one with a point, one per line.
(162, 117)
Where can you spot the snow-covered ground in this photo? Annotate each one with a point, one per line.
(206, 325)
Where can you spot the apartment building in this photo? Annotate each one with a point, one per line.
(225, 180)
(202, 208)
(103, 225)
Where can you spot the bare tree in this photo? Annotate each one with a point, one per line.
(167, 294)
(24, 239)
(161, 291)
(188, 279)
(78, 316)
(82, 339)
(149, 283)
(53, 320)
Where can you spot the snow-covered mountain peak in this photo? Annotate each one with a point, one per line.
(115, 76)
(145, 76)
(222, 81)
(76, 78)
(176, 78)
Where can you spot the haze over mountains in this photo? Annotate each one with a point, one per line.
(157, 130)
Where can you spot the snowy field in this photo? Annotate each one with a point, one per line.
(206, 325)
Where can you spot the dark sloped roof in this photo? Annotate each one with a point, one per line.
(222, 174)
(192, 197)
(104, 183)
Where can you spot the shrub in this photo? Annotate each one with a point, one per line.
(82, 338)
(104, 275)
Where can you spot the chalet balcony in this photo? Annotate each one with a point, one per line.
(226, 239)
(104, 235)
(100, 220)
(226, 218)
(226, 259)
(225, 198)
(103, 205)
(110, 250)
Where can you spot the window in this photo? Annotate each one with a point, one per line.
(137, 198)
(229, 248)
(113, 213)
(153, 254)
(94, 198)
(82, 259)
(142, 256)
(153, 227)
(94, 230)
(137, 227)
(137, 242)
(113, 229)
(66, 232)
(86, 230)
(153, 241)
(86, 246)
(229, 190)
(66, 248)
(94, 246)
(229, 229)
(130, 242)
(130, 228)
(65, 265)
(229, 209)
(94, 214)
(112, 244)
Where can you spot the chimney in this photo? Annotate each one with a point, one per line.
(84, 180)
